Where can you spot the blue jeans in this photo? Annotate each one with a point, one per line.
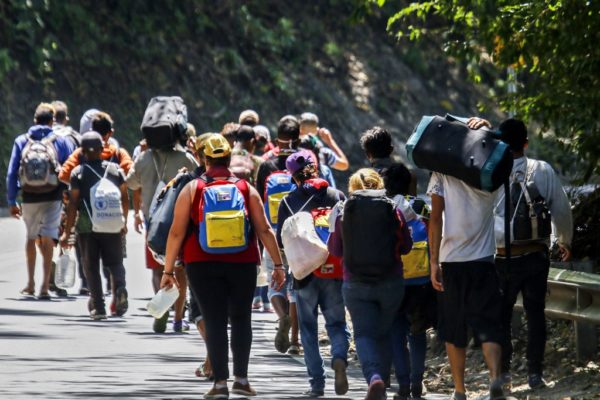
(373, 307)
(327, 294)
(409, 365)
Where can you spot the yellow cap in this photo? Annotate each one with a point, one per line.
(216, 146)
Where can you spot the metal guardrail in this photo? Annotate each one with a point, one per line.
(575, 296)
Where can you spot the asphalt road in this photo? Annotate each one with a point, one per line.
(53, 350)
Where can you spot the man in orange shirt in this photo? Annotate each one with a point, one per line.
(103, 124)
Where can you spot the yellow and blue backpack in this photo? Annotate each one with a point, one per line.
(223, 216)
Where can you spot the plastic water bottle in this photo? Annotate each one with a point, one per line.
(162, 301)
(64, 275)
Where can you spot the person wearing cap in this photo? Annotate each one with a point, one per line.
(288, 134)
(151, 168)
(527, 271)
(218, 280)
(263, 140)
(330, 153)
(40, 211)
(96, 246)
(249, 118)
(313, 291)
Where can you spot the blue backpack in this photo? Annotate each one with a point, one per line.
(277, 185)
(223, 216)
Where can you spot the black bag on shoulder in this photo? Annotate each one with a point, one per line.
(369, 234)
(165, 121)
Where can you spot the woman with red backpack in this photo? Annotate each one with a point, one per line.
(220, 253)
(323, 287)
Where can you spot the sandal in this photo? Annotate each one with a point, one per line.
(27, 292)
(44, 296)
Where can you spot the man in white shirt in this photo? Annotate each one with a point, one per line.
(527, 272)
(462, 247)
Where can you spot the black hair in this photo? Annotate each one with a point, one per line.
(44, 114)
(288, 129)
(60, 111)
(376, 142)
(102, 123)
(219, 161)
(514, 133)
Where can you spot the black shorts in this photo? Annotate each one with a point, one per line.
(471, 299)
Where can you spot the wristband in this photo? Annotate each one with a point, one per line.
(169, 273)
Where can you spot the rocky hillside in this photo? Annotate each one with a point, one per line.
(221, 57)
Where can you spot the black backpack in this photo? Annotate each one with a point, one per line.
(369, 234)
(530, 215)
(165, 121)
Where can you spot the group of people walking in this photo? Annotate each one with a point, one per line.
(246, 206)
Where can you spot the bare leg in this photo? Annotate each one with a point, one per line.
(492, 354)
(457, 356)
(294, 318)
(30, 253)
(180, 302)
(47, 250)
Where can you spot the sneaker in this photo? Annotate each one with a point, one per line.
(341, 380)
(160, 324)
(294, 350)
(496, 391)
(121, 303)
(282, 338)
(458, 396)
(403, 393)
(536, 381)
(181, 326)
(98, 315)
(243, 389)
(314, 393)
(217, 393)
(376, 390)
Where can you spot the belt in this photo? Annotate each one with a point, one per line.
(522, 249)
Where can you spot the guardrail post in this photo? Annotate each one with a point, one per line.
(586, 341)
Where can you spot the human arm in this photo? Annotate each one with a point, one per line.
(72, 206)
(177, 233)
(265, 234)
(68, 167)
(341, 163)
(436, 224)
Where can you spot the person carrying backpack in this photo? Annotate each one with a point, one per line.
(217, 221)
(274, 182)
(371, 234)
(538, 199)
(314, 196)
(99, 195)
(33, 171)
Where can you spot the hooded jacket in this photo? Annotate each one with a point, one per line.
(64, 148)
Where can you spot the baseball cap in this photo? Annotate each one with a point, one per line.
(216, 146)
(309, 118)
(299, 160)
(91, 141)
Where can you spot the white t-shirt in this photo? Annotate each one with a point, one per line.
(468, 233)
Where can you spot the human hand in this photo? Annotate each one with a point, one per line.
(64, 240)
(564, 252)
(476, 123)
(278, 278)
(436, 276)
(168, 281)
(138, 222)
(15, 211)
(325, 135)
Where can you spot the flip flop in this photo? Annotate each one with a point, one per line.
(27, 292)
(44, 296)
